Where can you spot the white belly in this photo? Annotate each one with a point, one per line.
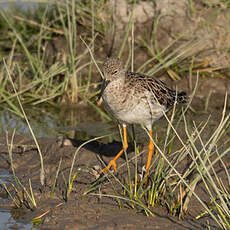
(130, 107)
(141, 115)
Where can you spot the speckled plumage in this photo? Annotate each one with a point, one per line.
(135, 98)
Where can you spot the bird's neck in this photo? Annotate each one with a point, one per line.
(120, 79)
(117, 82)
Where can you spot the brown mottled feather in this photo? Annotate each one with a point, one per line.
(161, 93)
(134, 97)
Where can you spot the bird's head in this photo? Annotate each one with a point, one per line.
(113, 69)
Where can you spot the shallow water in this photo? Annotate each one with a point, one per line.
(7, 221)
(80, 123)
(51, 123)
(5, 176)
(72, 122)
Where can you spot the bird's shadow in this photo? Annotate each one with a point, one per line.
(108, 150)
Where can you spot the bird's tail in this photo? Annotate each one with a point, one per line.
(176, 96)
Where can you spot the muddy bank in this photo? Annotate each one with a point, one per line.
(91, 211)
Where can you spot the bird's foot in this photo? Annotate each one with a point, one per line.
(113, 164)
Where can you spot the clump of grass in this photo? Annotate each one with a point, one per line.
(42, 173)
(172, 188)
(168, 186)
(49, 75)
(32, 36)
(25, 196)
(22, 196)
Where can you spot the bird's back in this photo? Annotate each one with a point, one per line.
(161, 93)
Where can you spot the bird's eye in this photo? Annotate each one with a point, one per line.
(114, 72)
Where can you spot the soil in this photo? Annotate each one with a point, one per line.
(91, 211)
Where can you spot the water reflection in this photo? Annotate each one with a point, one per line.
(80, 123)
(7, 219)
(49, 122)
(8, 222)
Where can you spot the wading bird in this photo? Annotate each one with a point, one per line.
(135, 98)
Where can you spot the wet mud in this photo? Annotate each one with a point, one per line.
(93, 211)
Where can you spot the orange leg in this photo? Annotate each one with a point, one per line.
(112, 163)
(150, 147)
